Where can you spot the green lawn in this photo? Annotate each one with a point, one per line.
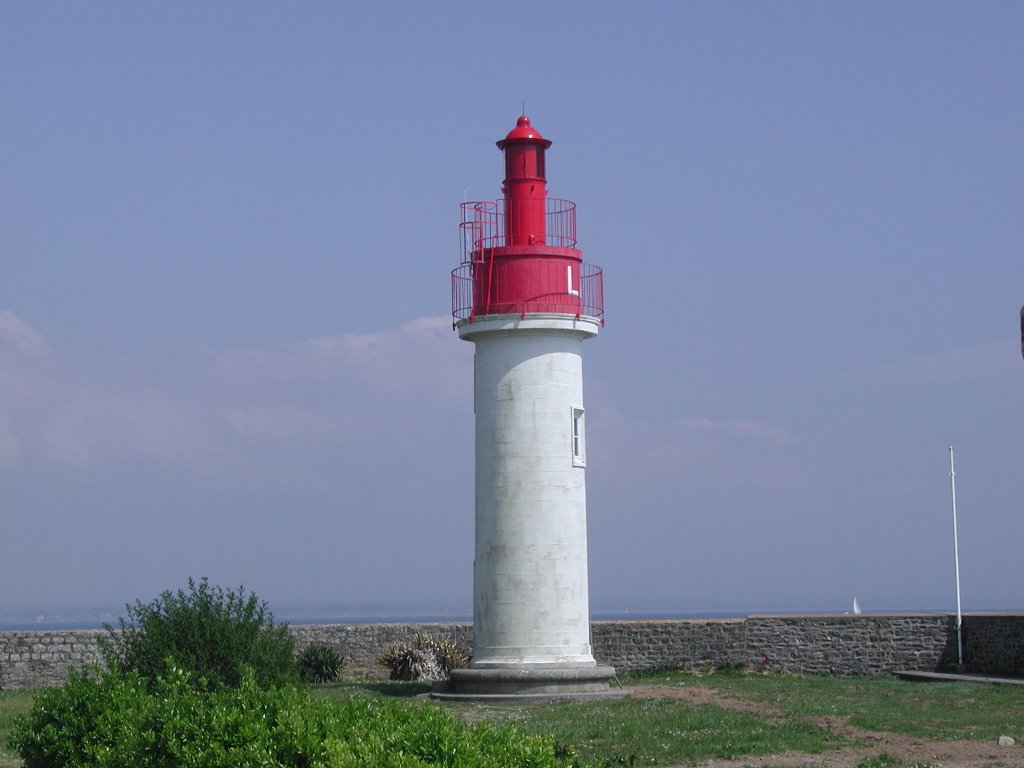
(633, 731)
(663, 732)
(928, 710)
(12, 704)
(671, 731)
(668, 731)
(361, 689)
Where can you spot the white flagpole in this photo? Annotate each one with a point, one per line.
(956, 563)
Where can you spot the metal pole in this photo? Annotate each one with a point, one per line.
(956, 563)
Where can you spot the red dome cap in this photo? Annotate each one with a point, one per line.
(523, 132)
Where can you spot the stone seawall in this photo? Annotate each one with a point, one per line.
(360, 644)
(852, 645)
(836, 645)
(993, 644)
(40, 659)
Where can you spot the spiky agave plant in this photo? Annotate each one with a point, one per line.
(320, 664)
(407, 663)
(429, 658)
(449, 654)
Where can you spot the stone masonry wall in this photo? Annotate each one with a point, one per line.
(41, 659)
(360, 644)
(630, 646)
(837, 645)
(850, 645)
(993, 644)
(830, 645)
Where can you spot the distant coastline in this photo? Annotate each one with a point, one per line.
(20, 622)
(44, 624)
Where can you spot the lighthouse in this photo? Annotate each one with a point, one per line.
(527, 301)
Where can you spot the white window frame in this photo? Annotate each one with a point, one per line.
(578, 437)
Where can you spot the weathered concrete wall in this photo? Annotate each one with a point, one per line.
(837, 645)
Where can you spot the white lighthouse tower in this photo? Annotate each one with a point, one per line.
(526, 299)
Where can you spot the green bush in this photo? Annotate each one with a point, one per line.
(387, 734)
(207, 631)
(319, 664)
(120, 720)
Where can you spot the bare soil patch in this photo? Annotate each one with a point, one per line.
(943, 754)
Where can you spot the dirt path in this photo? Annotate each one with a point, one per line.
(944, 754)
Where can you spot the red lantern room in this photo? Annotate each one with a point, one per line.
(525, 188)
(519, 253)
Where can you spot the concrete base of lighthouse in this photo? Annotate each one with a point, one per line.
(533, 684)
(530, 593)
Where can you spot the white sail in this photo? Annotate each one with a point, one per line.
(856, 605)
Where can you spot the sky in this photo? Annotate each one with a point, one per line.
(226, 233)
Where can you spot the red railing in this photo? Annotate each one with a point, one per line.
(592, 291)
(484, 225)
(466, 293)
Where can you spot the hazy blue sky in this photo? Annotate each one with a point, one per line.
(226, 232)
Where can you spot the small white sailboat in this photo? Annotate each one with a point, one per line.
(856, 606)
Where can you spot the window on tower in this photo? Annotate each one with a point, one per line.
(579, 450)
(525, 163)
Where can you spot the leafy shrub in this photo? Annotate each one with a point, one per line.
(72, 724)
(122, 721)
(430, 658)
(388, 734)
(207, 631)
(319, 664)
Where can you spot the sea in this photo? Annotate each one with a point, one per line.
(21, 620)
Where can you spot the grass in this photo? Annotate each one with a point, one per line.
(362, 689)
(946, 711)
(631, 731)
(665, 731)
(888, 761)
(12, 704)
